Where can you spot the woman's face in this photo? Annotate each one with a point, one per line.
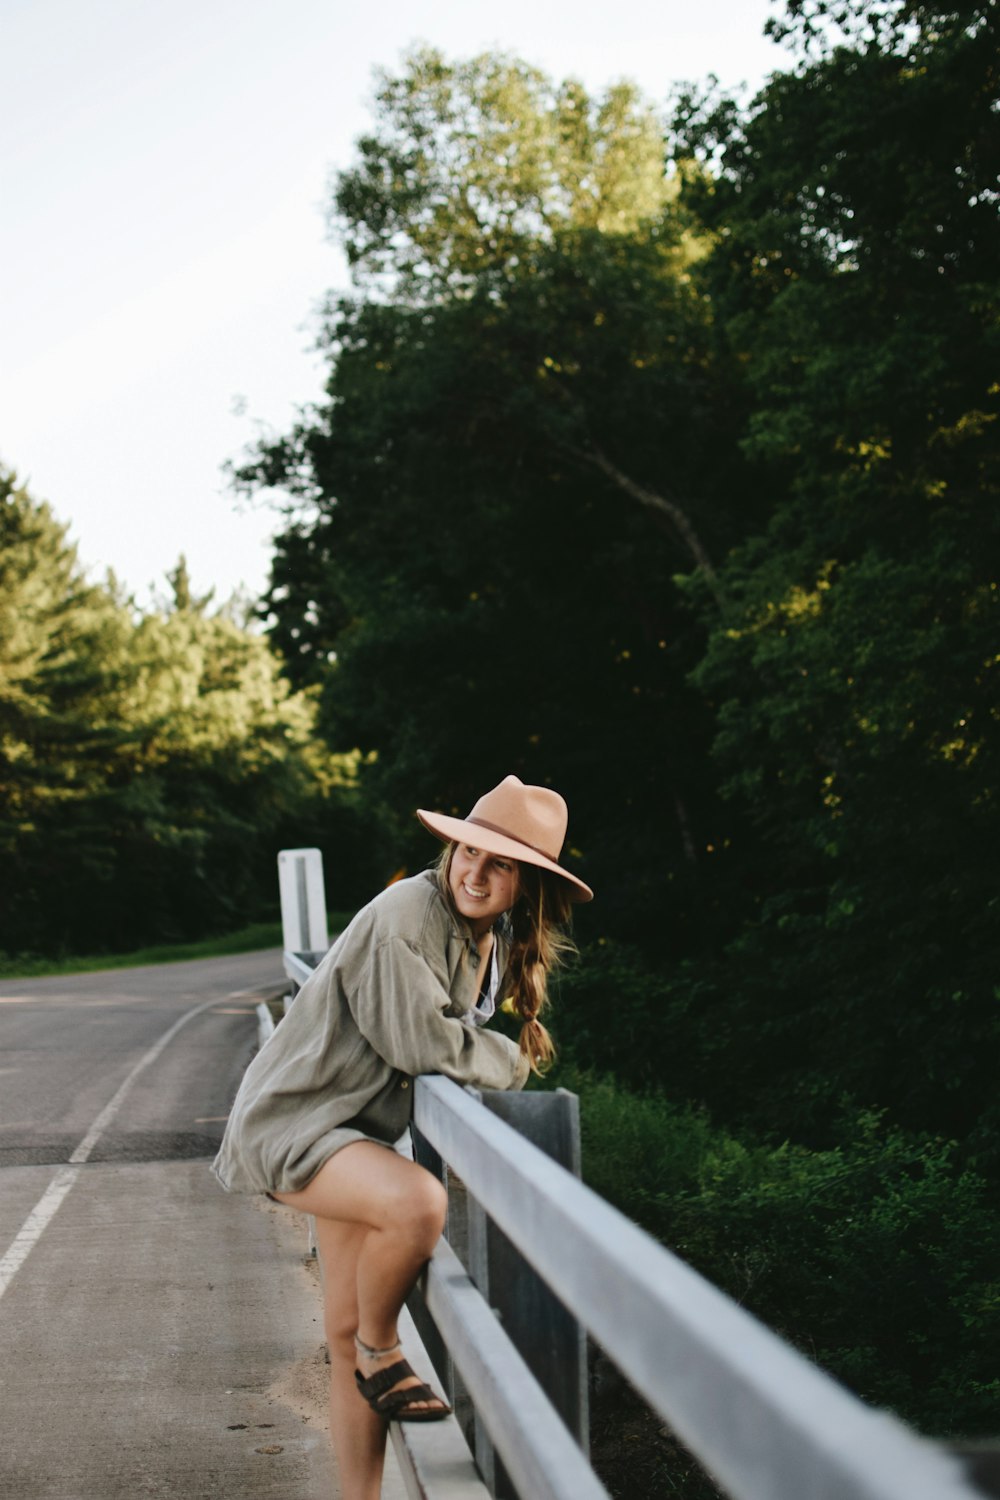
(483, 886)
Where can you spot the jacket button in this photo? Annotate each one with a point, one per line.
(405, 1084)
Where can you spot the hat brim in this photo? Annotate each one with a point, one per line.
(459, 831)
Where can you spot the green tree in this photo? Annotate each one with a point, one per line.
(183, 597)
(150, 765)
(520, 450)
(472, 164)
(57, 636)
(853, 679)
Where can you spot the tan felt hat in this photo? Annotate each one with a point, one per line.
(526, 823)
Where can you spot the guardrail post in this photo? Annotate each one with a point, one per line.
(303, 901)
(437, 1349)
(550, 1340)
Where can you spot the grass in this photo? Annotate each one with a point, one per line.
(246, 940)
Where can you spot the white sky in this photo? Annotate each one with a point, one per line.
(163, 171)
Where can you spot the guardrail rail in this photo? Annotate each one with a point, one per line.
(533, 1260)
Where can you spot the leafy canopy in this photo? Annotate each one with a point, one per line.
(525, 439)
(474, 163)
(150, 765)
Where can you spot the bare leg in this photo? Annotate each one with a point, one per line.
(357, 1434)
(378, 1217)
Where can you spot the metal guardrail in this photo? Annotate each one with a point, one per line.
(510, 1354)
(298, 966)
(764, 1422)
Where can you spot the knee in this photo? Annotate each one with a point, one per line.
(425, 1209)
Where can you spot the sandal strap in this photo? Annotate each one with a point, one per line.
(382, 1380)
(393, 1404)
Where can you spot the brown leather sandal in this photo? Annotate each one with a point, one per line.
(391, 1404)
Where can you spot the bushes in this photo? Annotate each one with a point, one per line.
(875, 1258)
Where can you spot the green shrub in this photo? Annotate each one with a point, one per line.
(876, 1258)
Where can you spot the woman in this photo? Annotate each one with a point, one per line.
(407, 989)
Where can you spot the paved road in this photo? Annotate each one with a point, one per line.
(157, 1335)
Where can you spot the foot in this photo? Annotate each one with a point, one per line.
(386, 1398)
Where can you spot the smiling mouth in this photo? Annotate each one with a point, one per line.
(474, 895)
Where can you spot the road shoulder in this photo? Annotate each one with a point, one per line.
(165, 1338)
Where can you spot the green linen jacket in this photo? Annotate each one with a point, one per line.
(385, 1004)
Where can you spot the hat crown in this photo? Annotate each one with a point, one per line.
(533, 815)
(526, 823)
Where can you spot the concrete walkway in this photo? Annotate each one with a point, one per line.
(158, 1336)
(166, 1339)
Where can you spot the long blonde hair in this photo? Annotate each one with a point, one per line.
(540, 941)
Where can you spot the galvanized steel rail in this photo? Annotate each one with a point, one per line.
(763, 1421)
(767, 1424)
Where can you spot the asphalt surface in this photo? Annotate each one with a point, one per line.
(157, 1335)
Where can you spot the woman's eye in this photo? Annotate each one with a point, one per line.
(502, 864)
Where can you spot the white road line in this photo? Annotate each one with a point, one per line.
(47, 1206)
(109, 1111)
(33, 1227)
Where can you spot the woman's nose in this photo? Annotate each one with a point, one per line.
(479, 865)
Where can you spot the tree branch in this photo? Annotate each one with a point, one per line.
(663, 505)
